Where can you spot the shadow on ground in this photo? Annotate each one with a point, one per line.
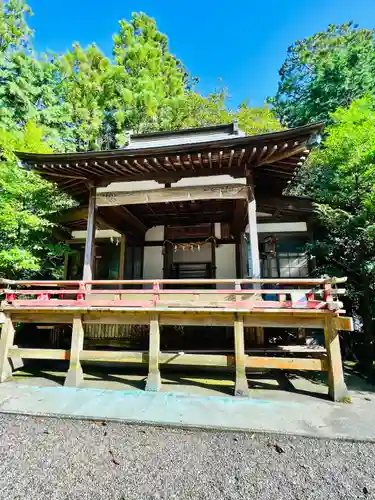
(268, 385)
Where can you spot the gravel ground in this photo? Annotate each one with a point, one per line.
(69, 459)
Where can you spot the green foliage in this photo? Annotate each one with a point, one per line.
(324, 72)
(26, 241)
(257, 120)
(147, 78)
(340, 177)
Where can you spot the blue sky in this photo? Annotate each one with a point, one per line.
(239, 44)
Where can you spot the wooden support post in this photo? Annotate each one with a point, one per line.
(6, 342)
(153, 379)
(241, 387)
(301, 335)
(260, 335)
(253, 255)
(74, 376)
(88, 265)
(337, 389)
(121, 268)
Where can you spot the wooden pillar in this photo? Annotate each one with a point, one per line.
(74, 376)
(337, 389)
(153, 379)
(88, 264)
(238, 256)
(260, 335)
(121, 268)
(253, 255)
(6, 342)
(241, 385)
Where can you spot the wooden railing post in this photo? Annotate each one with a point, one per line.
(241, 385)
(153, 379)
(6, 342)
(337, 389)
(74, 377)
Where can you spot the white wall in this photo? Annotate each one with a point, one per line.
(155, 233)
(280, 227)
(153, 263)
(208, 181)
(225, 262)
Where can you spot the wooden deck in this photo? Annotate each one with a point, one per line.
(305, 303)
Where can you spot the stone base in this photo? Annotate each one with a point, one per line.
(153, 382)
(241, 388)
(74, 377)
(5, 371)
(339, 392)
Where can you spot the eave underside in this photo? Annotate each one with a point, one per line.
(272, 158)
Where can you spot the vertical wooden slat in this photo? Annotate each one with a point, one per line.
(153, 379)
(6, 342)
(88, 265)
(337, 389)
(74, 376)
(241, 386)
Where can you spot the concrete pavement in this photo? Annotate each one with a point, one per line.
(264, 411)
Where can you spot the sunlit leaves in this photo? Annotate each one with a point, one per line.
(324, 72)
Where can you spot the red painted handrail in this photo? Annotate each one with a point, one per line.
(320, 294)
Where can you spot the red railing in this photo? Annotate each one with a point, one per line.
(237, 294)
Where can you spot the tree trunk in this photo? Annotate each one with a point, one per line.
(368, 330)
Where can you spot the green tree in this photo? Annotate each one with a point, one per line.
(257, 120)
(81, 76)
(324, 72)
(145, 81)
(340, 177)
(27, 244)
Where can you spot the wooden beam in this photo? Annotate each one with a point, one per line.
(343, 323)
(73, 215)
(113, 215)
(183, 359)
(88, 265)
(39, 353)
(175, 194)
(173, 176)
(193, 316)
(282, 155)
(286, 363)
(281, 202)
(114, 356)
